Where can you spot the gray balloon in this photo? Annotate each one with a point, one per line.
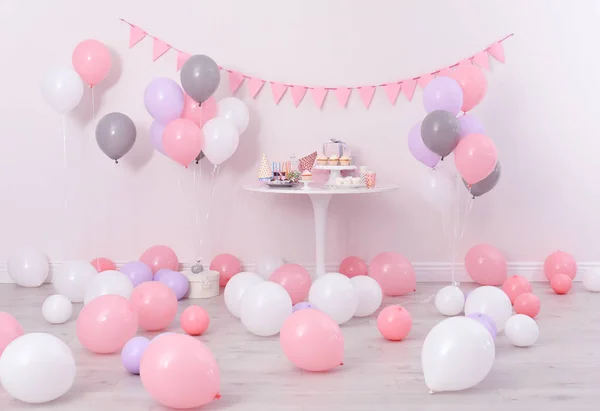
(199, 157)
(487, 184)
(200, 77)
(440, 132)
(115, 135)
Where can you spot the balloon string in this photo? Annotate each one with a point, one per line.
(111, 203)
(195, 195)
(468, 208)
(93, 109)
(455, 229)
(66, 191)
(213, 176)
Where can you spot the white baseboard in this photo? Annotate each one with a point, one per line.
(426, 272)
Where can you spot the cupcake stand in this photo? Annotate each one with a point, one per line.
(334, 172)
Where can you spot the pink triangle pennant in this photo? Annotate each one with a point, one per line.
(182, 57)
(254, 86)
(497, 52)
(319, 94)
(465, 62)
(298, 93)
(235, 80)
(278, 90)
(445, 72)
(408, 88)
(392, 90)
(366, 94)
(424, 80)
(342, 94)
(159, 48)
(136, 35)
(482, 60)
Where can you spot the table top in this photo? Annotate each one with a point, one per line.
(323, 190)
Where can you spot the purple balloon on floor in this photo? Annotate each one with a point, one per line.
(177, 282)
(137, 272)
(486, 321)
(132, 352)
(160, 273)
(302, 306)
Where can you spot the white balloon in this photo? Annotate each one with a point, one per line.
(57, 309)
(522, 330)
(369, 294)
(235, 289)
(450, 300)
(234, 110)
(438, 188)
(221, 139)
(28, 268)
(457, 354)
(109, 282)
(62, 89)
(37, 368)
(264, 308)
(267, 265)
(334, 294)
(491, 301)
(72, 279)
(591, 280)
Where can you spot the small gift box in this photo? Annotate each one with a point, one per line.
(336, 148)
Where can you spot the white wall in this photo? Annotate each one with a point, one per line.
(541, 110)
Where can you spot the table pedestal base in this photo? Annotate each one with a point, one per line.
(320, 204)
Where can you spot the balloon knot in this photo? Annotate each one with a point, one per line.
(341, 363)
(186, 166)
(218, 396)
(431, 392)
(116, 161)
(442, 158)
(197, 161)
(90, 86)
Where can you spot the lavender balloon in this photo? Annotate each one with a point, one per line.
(486, 321)
(419, 150)
(164, 99)
(132, 352)
(176, 282)
(137, 272)
(302, 306)
(156, 135)
(443, 93)
(158, 275)
(469, 124)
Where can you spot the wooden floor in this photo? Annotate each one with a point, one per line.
(561, 372)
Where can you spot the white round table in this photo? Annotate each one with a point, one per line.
(320, 198)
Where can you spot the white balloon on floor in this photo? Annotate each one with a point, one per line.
(28, 268)
(57, 309)
(235, 289)
(450, 300)
(491, 301)
(369, 294)
(267, 265)
(72, 279)
(264, 308)
(522, 330)
(591, 279)
(334, 294)
(109, 282)
(37, 368)
(457, 354)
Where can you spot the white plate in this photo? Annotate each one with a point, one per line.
(338, 168)
(343, 186)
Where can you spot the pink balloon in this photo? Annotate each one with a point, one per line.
(394, 273)
(561, 283)
(106, 323)
(475, 157)
(180, 372)
(312, 341)
(486, 265)
(560, 262)
(394, 323)
(182, 140)
(194, 320)
(527, 304)
(158, 257)
(155, 305)
(91, 59)
(295, 279)
(353, 266)
(10, 329)
(473, 83)
(199, 114)
(227, 265)
(103, 264)
(515, 286)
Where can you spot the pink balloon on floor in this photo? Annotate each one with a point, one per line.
(180, 372)
(486, 265)
(473, 83)
(103, 264)
(515, 286)
(155, 305)
(353, 266)
(295, 279)
(561, 283)
(106, 323)
(560, 262)
(227, 265)
(158, 257)
(394, 323)
(10, 329)
(312, 341)
(527, 304)
(394, 273)
(194, 320)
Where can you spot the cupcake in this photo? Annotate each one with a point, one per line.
(344, 161)
(356, 181)
(333, 160)
(306, 175)
(322, 160)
